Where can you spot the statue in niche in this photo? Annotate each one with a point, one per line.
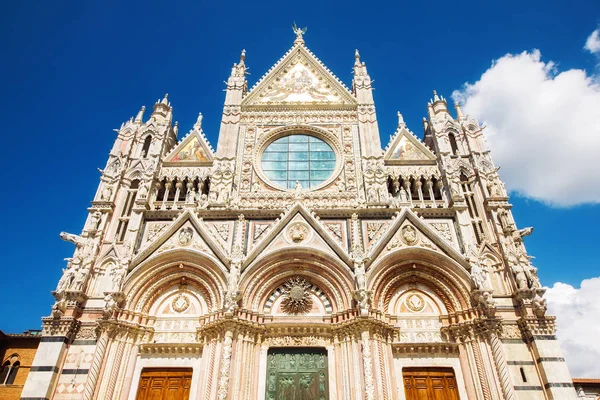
(478, 277)
(143, 191)
(118, 273)
(106, 193)
(95, 221)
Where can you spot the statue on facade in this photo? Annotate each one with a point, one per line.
(539, 305)
(299, 31)
(106, 192)
(79, 280)
(520, 276)
(363, 300)
(478, 277)
(95, 221)
(67, 279)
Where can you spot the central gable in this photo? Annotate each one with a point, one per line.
(299, 78)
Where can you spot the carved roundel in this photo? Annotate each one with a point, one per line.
(415, 302)
(180, 303)
(185, 236)
(409, 235)
(298, 232)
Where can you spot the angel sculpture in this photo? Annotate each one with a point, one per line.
(298, 31)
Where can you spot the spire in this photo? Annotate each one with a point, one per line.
(198, 124)
(360, 69)
(459, 111)
(140, 115)
(435, 96)
(401, 122)
(299, 32)
(165, 99)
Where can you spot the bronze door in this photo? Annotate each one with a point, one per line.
(297, 374)
(430, 384)
(165, 384)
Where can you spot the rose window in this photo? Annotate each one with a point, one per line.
(298, 158)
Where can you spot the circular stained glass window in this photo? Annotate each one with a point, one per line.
(298, 158)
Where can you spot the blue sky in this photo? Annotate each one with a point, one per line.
(73, 71)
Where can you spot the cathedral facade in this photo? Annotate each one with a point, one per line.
(300, 259)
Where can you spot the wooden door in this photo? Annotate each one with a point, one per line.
(297, 374)
(430, 384)
(165, 384)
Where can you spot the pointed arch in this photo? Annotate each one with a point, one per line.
(146, 146)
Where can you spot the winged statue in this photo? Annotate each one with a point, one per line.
(298, 31)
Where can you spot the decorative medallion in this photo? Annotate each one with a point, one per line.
(297, 299)
(180, 303)
(185, 236)
(409, 235)
(415, 302)
(298, 232)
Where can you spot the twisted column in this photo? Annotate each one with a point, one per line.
(114, 373)
(485, 387)
(92, 379)
(501, 367)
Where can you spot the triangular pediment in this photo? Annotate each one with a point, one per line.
(404, 148)
(299, 78)
(193, 149)
(297, 228)
(408, 230)
(187, 232)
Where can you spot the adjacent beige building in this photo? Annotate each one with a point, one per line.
(300, 260)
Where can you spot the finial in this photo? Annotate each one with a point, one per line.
(165, 100)
(400, 119)
(176, 128)
(243, 56)
(198, 124)
(459, 111)
(140, 114)
(435, 96)
(299, 32)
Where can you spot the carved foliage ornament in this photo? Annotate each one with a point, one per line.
(297, 299)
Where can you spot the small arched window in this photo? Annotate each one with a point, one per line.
(9, 370)
(146, 146)
(4, 372)
(10, 379)
(453, 144)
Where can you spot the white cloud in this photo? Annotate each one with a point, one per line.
(578, 320)
(543, 127)
(592, 43)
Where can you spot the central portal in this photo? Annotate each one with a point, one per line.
(297, 374)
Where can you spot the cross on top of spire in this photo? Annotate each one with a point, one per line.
(299, 32)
